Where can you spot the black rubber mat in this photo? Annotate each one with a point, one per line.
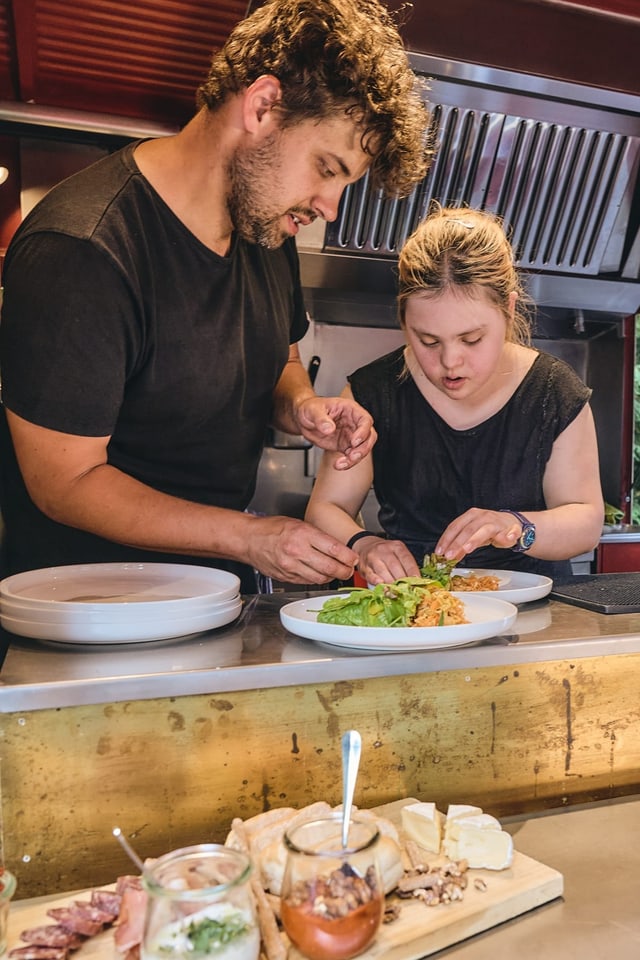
(603, 592)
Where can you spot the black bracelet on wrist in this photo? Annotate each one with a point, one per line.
(359, 535)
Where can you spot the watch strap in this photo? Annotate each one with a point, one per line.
(514, 513)
(527, 538)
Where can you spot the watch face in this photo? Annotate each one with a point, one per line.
(528, 537)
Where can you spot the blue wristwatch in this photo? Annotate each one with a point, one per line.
(528, 536)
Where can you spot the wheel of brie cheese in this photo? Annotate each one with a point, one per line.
(466, 833)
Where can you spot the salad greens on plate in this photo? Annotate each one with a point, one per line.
(385, 605)
(389, 604)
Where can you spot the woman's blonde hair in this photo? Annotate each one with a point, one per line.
(457, 248)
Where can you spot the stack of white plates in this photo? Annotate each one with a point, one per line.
(118, 602)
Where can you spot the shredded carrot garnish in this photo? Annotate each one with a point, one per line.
(474, 582)
(439, 609)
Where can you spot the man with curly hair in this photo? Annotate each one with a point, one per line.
(152, 306)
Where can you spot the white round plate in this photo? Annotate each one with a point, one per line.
(136, 631)
(133, 589)
(487, 617)
(515, 586)
(118, 614)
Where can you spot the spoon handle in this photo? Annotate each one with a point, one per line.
(128, 849)
(351, 748)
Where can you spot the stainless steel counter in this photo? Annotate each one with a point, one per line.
(620, 533)
(257, 652)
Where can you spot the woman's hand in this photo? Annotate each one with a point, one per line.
(477, 528)
(383, 561)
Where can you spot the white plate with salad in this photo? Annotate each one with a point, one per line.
(487, 615)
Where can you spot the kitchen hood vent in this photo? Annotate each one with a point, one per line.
(557, 162)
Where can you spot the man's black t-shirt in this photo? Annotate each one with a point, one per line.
(117, 321)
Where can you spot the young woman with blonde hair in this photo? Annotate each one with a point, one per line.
(486, 446)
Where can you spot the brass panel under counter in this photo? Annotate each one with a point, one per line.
(170, 771)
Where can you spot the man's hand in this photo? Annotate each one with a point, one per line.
(297, 552)
(339, 424)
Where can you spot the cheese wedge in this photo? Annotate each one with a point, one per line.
(481, 821)
(423, 823)
(480, 840)
(457, 810)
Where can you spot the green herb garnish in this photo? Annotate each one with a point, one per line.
(438, 568)
(208, 935)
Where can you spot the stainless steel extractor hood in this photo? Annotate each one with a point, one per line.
(558, 161)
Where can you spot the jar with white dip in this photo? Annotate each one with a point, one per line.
(7, 890)
(200, 906)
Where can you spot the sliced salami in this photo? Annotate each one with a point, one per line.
(92, 912)
(77, 922)
(73, 919)
(36, 952)
(52, 935)
(107, 900)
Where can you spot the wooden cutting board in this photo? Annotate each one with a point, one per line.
(418, 932)
(421, 930)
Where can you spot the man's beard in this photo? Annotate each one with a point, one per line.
(253, 175)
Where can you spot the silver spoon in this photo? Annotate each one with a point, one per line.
(128, 849)
(351, 747)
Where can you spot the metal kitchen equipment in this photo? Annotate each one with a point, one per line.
(602, 592)
(557, 161)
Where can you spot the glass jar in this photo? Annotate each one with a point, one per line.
(7, 890)
(332, 898)
(200, 904)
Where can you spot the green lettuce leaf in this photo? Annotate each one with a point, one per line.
(438, 568)
(385, 605)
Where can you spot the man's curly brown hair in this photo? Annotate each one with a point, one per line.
(333, 57)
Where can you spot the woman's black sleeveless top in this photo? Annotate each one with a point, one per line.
(426, 473)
